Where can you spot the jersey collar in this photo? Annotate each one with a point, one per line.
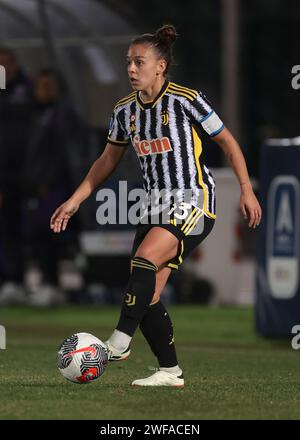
(151, 104)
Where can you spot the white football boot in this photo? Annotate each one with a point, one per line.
(160, 379)
(116, 355)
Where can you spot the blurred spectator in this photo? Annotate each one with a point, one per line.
(54, 164)
(15, 108)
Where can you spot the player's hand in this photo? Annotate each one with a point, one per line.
(62, 215)
(250, 208)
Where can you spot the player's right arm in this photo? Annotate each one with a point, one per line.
(98, 173)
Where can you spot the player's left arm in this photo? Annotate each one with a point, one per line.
(248, 201)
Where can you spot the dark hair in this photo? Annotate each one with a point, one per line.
(162, 40)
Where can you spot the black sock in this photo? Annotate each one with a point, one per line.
(157, 329)
(140, 290)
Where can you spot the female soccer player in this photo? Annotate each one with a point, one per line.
(162, 120)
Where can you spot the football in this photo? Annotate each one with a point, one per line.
(82, 358)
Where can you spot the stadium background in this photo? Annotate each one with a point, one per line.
(72, 70)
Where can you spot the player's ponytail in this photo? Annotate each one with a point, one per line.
(166, 35)
(162, 40)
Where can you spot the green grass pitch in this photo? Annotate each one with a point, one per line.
(230, 372)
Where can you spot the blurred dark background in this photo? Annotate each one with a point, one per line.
(65, 69)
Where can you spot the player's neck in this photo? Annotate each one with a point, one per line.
(151, 93)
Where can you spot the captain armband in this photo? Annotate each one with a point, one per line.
(212, 124)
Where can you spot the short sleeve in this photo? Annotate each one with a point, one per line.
(202, 114)
(116, 133)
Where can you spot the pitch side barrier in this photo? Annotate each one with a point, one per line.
(278, 257)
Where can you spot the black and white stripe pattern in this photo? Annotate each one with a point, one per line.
(93, 363)
(175, 118)
(162, 160)
(66, 347)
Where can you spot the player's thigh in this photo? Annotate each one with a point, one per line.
(158, 246)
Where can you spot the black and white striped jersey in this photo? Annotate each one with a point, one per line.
(165, 134)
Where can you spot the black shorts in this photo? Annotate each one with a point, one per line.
(187, 241)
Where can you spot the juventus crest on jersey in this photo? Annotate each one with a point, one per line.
(165, 134)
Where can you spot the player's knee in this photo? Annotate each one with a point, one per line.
(139, 259)
(145, 255)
